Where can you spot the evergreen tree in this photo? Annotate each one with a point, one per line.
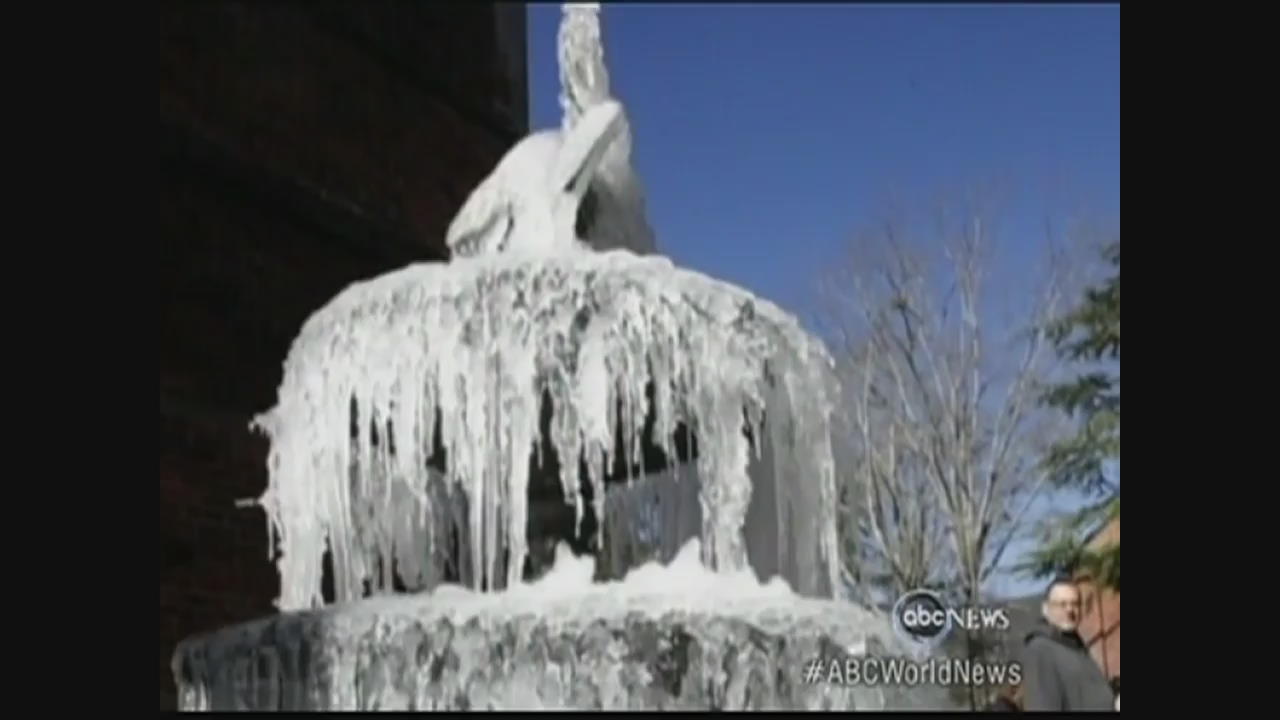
(1089, 334)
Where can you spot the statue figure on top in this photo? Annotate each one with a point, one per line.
(572, 187)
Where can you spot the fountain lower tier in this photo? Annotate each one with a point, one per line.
(666, 638)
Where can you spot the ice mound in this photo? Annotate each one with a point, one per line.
(664, 638)
(456, 360)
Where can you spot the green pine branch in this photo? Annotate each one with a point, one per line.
(1092, 330)
(1089, 333)
(1063, 548)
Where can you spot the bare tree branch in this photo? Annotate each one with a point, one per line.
(940, 462)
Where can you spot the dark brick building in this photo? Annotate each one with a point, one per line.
(305, 145)
(1100, 625)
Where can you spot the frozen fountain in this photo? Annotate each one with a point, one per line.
(415, 408)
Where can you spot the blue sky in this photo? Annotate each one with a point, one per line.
(766, 134)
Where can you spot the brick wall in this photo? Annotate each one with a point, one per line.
(304, 146)
(1100, 623)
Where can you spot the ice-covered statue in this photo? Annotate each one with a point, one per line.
(556, 187)
(413, 410)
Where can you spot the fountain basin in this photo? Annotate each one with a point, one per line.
(666, 638)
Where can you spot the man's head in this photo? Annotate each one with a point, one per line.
(1062, 604)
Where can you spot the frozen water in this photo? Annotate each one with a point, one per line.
(451, 363)
(667, 637)
(575, 185)
(615, 217)
(464, 353)
(401, 447)
(531, 201)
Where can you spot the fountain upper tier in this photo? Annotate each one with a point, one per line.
(477, 343)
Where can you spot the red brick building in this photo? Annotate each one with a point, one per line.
(1100, 624)
(305, 145)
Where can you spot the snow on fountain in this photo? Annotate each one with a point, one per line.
(555, 290)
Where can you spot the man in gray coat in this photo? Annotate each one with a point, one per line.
(1058, 672)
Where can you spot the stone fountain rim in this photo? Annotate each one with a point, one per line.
(772, 610)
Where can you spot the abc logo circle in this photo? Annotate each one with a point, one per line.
(922, 615)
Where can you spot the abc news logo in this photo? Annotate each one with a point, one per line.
(921, 618)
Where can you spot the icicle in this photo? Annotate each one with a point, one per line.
(520, 415)
(478, 341)
(779, 444)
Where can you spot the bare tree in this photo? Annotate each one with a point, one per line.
(895, 531)
(942, 421)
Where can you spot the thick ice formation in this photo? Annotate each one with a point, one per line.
(410, 405)
(530, 202)
(401, 446)
(566, 594)
(465, 351)
(677, 637)
(616, 215)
